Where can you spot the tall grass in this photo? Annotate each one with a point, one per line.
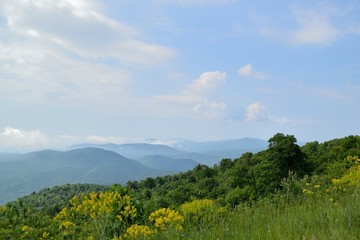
(313, 217)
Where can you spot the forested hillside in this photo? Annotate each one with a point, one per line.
(273, 194)
(251, 176)
(21, 174)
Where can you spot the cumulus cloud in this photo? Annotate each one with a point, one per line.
(19, 139)
(256, 112)
(197, 95)
(207, 81)
(248, 71)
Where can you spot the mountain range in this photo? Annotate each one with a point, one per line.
(208, 153)
(21, 174)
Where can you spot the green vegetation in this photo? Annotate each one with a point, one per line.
(283, 192)
(252, 176)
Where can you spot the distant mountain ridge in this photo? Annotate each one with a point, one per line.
(167, 163)
(208, 153)
(21, 174)
(36, 170)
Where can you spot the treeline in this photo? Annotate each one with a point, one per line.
(204, 198)
(252, 176)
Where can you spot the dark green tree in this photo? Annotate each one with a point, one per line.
(287, 155)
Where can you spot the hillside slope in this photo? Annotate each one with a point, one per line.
(36, 170)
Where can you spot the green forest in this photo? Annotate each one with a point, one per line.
(284, 192)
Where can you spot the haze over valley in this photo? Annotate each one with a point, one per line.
(107, 164)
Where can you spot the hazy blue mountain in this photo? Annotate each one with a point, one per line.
(208, 153)
(4, 157)
(136, 150)
(36, 170)
(167, 163)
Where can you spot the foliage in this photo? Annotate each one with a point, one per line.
(101, 215)
(284, 192)
(137, 231)
(52, 200)
(352, 177)
(323, 156)
(165, 218)
(199, 211)
(112, 215)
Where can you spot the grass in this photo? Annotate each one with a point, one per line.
(311, 218)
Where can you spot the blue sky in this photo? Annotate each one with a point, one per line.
(121, 71)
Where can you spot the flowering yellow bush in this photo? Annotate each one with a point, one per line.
(352, 178)
(66, 225)
(3, 209)
(166, 218)
(106, 213)
(27, 232)
(198, 209)
(348, 182)
(136, 231)
(98, 205)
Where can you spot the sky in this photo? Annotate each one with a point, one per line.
(119, 71)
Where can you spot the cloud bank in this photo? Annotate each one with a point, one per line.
(13, 138)
(68, 51)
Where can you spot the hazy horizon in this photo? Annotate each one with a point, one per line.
(75, 71)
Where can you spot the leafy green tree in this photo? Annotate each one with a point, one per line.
(284, 151)
(148, 183)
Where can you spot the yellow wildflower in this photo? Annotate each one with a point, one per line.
(136, 231)
(165, 217)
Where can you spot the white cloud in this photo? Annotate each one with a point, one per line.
(37, 72)
(256, 112)
(248, 71)
(207, 81)
(67, 51)
(318, 25)
(314, 27)
(19, 139)
(77, 26)
(197, 95)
